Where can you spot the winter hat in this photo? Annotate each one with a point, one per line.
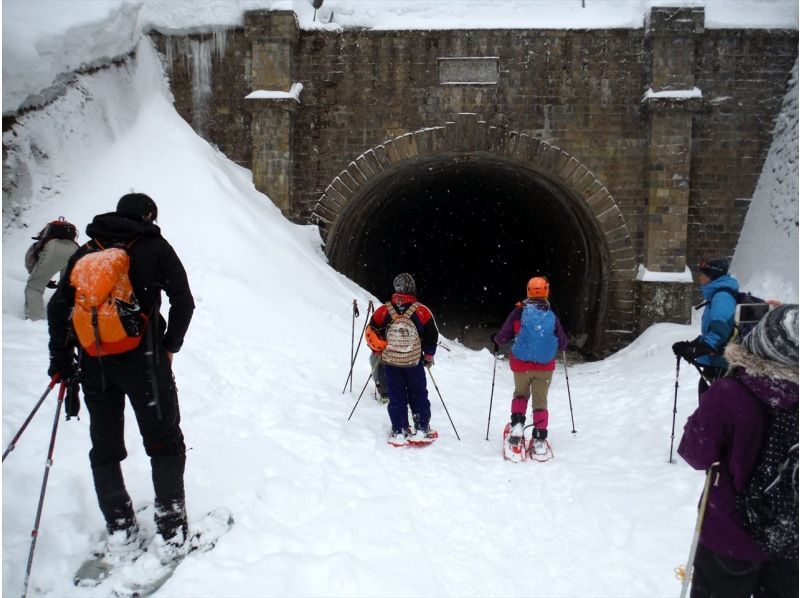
(404, 283)
(775, 336)
(138, 205)
(714, 268)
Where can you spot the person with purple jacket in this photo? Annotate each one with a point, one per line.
(728, 427)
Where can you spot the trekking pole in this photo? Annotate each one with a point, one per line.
(12, 445)
(353, 337)
(370, 309)
(686, 574)
(569, 395)
(491, 396)
(359, 397)
(48, 464)
(442, 400)
(674, 408)
(702, 375)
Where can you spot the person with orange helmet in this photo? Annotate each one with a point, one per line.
(538, 337)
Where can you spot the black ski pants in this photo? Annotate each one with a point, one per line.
(716, 576)
(106, 382)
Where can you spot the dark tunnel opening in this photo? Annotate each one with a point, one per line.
(473, 230)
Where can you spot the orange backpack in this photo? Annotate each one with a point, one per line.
(107, 317)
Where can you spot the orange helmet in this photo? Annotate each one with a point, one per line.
(538, 288)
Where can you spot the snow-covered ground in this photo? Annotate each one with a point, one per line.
(323, 506)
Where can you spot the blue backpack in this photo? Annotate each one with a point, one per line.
(537, 339)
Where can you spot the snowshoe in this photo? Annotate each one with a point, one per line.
(513, 443)
(423, 437)
(539, 450)
(399, 438)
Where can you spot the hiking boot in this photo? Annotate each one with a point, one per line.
(516, 434)
(382, 399)
(171, 550)
(424, 434)
(126, 543)
(398, 438)
(539, 446)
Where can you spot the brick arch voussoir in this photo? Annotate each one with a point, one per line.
(468, 134)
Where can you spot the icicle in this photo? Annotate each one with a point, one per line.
(169, 48)
(220, 43)
(200, 53)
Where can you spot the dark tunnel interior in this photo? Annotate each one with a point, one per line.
(472, 231)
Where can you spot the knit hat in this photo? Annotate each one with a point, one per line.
(714, 268)
(404, 283)
(775, 336)
(138, 205)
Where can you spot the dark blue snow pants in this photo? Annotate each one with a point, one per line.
(407, 386)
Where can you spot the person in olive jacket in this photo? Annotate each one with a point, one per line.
(147, 380)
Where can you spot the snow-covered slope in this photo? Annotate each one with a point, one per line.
(323, 507)
(768, 246)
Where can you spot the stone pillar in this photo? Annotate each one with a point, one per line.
(670, 102)
(274, 38)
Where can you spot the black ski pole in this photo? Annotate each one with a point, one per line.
(12, 445)
(491, 396)
(48, 464)
(353, 337)
(674, 408)
(370, 309)
(442, 400)
(569, 394)
(359, 397)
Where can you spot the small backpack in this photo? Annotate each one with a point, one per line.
(58, 229)
(536, 341)
(768, 505)
(107, 317)
(404, 347)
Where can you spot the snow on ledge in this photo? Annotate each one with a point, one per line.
(675, 94)
(646, 275)
(292, 94)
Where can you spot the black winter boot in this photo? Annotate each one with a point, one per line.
(113, 498)
(170, 503)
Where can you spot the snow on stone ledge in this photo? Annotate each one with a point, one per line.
(674, 94)
(263, 94)
(646, 275)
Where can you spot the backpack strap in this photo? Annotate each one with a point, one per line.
(406, 314)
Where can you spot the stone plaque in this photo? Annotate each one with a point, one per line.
(479, 70)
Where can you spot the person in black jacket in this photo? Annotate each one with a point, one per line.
(147, 380)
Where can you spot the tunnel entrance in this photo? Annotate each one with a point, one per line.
(473, 229)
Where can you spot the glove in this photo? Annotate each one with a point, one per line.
(495, 346)
(427, 361)
(72, 399)
(691, 350)
(63, 364)
(52, 284)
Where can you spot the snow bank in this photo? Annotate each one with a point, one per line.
(766, 257)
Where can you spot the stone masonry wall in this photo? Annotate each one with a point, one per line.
(580, 90)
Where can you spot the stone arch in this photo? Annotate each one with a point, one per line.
(471, 139)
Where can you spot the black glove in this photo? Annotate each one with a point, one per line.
(72, 399)
(52, 284)
(495, 346)
(63, 364)
(427, 361)
(691, 350)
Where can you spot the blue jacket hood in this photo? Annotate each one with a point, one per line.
(723, 282)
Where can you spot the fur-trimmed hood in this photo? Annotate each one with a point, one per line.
(772, 382)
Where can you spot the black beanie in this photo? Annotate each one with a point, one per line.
(138, 205)
(714, 268)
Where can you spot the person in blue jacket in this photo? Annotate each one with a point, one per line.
(720, 292)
